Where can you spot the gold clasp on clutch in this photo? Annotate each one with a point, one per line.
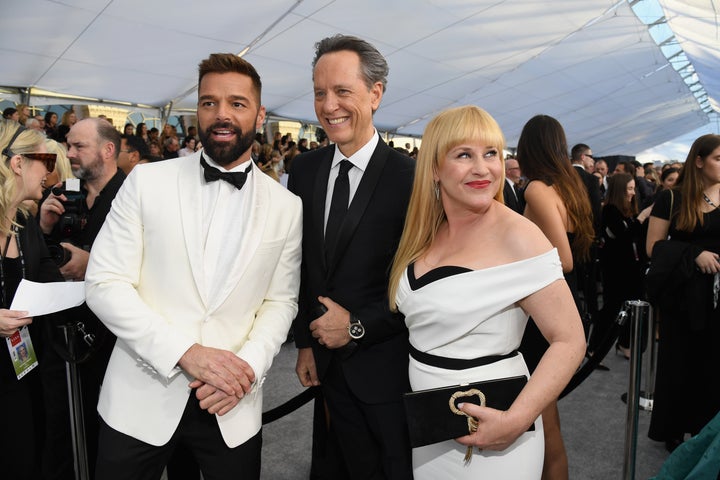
(472, 422)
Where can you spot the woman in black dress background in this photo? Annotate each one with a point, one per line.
(687, 390)
(622, 256)
(25, 164)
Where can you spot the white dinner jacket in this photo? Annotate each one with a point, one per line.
(143, 281)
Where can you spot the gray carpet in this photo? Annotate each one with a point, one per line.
(593, 423)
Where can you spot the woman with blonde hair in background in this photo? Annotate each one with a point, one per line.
(25, 164)
(467, 273)
(558, 203)
(63, 170)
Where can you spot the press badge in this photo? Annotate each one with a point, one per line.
(22, 352)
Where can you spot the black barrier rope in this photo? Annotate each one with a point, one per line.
(605, 345)
(290, 406)
(583, 372)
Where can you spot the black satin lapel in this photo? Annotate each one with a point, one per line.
(321, 183)
(360, 201)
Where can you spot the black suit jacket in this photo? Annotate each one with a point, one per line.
(593, 189)
(356, 276)
(513, 198)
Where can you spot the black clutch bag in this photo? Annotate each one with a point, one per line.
(433, 416)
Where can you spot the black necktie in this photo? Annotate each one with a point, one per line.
(212, 174)
(338, 205)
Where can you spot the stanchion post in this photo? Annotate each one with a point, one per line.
(639, 311)
(77, 422)
(651, 358)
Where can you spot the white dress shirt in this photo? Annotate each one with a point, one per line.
(360, 160)
(224, 217)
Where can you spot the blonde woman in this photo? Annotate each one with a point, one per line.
(63, 170)
(467, 274)
(25, 164)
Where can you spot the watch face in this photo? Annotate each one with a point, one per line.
(356, 330)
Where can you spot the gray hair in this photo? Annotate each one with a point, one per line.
(373, 66)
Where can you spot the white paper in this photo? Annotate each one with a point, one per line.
(43, 298)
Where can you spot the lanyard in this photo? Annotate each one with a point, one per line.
(12, 234)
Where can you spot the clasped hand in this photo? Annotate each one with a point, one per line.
(221, 377)
(12, 320)
(331, 328)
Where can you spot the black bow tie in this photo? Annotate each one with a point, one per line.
(235, 178)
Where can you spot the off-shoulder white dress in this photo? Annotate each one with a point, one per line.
(461, 313)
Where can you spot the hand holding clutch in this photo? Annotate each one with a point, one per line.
(431, 418)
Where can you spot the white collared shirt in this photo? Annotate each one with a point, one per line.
(360, 160)
(225, 212)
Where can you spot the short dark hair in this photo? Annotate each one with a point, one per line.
(667, 172)
(577, 151)
(136, 144)
(9, 112)
(629, 167)
(230, 63)
(373, 66)
(107, 133)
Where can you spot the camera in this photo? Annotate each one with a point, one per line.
(70, 222)
(59, 254)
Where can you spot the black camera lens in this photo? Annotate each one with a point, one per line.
(59, 255)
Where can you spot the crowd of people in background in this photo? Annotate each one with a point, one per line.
(604, 216)
(274, 157)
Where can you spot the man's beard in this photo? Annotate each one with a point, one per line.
(90, 172)
(225, 153)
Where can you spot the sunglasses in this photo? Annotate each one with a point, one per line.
(48, 159)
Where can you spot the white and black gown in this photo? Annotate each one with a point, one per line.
(460, 313)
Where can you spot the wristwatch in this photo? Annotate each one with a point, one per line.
(355, 329)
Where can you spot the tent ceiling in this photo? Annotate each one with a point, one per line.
(590, 64)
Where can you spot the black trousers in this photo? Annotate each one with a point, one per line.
(20, 438)
(373, 438)
(121, 457)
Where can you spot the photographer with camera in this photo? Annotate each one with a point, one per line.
(71, 218)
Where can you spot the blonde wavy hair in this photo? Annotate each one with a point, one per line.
(62, 164)
(27, 141)
(425, 214)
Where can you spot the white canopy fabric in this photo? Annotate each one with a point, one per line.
(591, 64)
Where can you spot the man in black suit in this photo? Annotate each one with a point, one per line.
(511, 191)
(581, 157)
(348, 340)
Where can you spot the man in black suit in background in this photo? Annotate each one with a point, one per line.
(348, 340)
(581, 156)
(511, 191)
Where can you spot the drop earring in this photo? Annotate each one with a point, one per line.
(437, 190)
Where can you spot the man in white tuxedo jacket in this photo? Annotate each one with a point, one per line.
(197, 274)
